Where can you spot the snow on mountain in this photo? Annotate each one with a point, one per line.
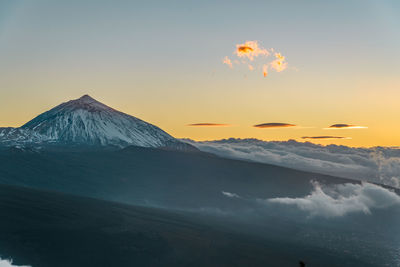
(12, 136)
(89, 122)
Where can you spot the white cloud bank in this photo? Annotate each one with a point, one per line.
(379, 164)
(339, 200)
(8, 263)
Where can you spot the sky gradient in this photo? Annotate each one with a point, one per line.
(162, 62)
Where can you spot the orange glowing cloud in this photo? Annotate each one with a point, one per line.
(207, 124)
(325, 137)
(244, 49)
(344, 126)
(250, 50)
(228, 62)
(279, 63)
(265, 70)
(253, 55)
(273, 125)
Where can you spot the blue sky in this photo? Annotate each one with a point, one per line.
(162, 62)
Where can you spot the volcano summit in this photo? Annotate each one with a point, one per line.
(86, 121)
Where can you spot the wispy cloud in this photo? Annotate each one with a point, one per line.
(344, 126)
(228, 62)
(342, 199)
(326, 137)
(279, 64)
(231, 195)
(208, 124)
(273, 125)
(265, 70)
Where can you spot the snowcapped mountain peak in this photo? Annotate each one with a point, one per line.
(87, 121)
(85, 102)
(86, 98)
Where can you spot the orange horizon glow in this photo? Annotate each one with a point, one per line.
(202, 131)
(207, 124)
(341, 126)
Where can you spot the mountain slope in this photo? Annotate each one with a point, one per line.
(50, 229)
(13, 136)
(89, 122)
(37, 229)
(137, 175)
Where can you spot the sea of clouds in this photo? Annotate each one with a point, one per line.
(339, 200)
(335, 200)
(378, 164)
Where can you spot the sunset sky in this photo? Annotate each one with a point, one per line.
(163, 62)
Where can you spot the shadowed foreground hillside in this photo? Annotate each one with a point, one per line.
(44, 229)
(195, 209)
(153, 177)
